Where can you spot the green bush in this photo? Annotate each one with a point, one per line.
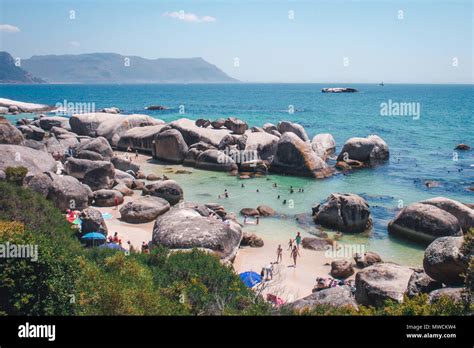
(16, 175)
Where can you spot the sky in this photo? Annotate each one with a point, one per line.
(351, 41)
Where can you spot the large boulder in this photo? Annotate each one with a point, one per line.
(124, 164)
(186, 228)
(215, 160)
(264, 144)
(106, 198)
(251, 240)
(339, 296)
(96, 174)
(235, 125)
(314, 243)
(323, 144)
(421, 283)
(296, 157)
(454, 295)
(424, 223)
(462, 212)
(140, 138)
(93, 221)
(370, 150)
(269, 128)
(219, 123)
(367, 259)
(31, 132)
(67, 192)
(89, 155)
(167, 189)
(170, 146)
(40, 183)
(20, 156)
(381, 282)
(144, 209)
(9, 134)
(47, 123)
(444, 260)
(193, 134)
(265, 210)
(99, 145)
(286, 126)
(341, 269)
(344, 212)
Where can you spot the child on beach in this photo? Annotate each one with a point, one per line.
(290, 244)
(279, 254)
(294, 254)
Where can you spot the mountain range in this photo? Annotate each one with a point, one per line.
(113, 68)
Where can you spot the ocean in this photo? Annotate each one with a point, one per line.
(420, 123)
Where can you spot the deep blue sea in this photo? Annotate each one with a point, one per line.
(421, 148)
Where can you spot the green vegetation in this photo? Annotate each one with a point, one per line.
(68, 279)
(16, 175)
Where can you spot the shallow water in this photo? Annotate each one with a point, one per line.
(420, 149)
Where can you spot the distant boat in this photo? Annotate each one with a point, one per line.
(381, 83)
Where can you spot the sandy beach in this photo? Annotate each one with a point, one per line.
(288, 283)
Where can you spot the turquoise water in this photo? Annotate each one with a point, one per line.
(421, 149)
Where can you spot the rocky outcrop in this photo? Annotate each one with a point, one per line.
(235, 125)
(167, 189)
(265, 210)
(454, 295)
(463, 213)
(67, 192)
(193, 134)
(219, 123)
(424, 223)
(341, 269)
(339, 296)
(124, 164)
(89, 155)
(215, 160)
(381, 282)
(96, 174)
(20, 156)
(262, 143)
(296, 157)
(249, 212)
(339, 90)
(367, 259)
(323, 144)
(99, 145)
(40, 183)
(444, 260)
(93, 221)
(49, 122)
(344, 212)
(144, 209)
(421, 283)
(314, 243)
(9, 134)
(30, 132)
(106, 198)
(186, 228)
(370, 150)
(251, 240)
(140, 138)
(170, 146)
(286, 126)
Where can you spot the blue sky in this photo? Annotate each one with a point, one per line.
(312, 47)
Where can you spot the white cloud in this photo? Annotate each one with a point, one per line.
(8, 28)
(74, 44)
(189, 17)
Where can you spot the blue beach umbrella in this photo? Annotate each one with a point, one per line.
(250, 279)
(93, 238)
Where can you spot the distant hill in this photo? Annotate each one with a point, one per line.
(112, 68)
(10, 73)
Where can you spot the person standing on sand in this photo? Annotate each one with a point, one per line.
(136, 154)
(298, 240)
(294, 254)
(116, 202)
(290, 244)
(279, 254)
(257, 218)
